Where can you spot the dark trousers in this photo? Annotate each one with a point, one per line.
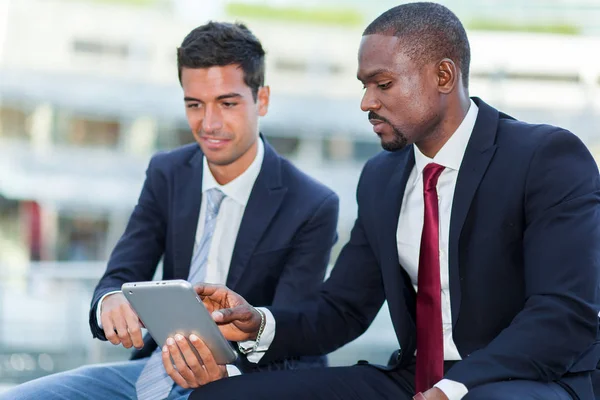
(359, 382)
(293, 363)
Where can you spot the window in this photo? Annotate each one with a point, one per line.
(12, 240)
(286, 146)
(98, 48)
(93, 133)
(349, 149)
(170, 137)
(14, 123)
(338, 149)
(365, 150)
(82, 238)
(303, 66)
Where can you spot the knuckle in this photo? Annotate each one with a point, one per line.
(191, 362)
(179, 364)
(197, 371)
(114, 312)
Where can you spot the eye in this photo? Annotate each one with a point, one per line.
(192, 105)
(229, 104)
(384, 86)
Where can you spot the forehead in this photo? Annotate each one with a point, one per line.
(213, 80)
(381, 52)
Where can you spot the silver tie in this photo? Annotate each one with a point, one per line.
(154, 383)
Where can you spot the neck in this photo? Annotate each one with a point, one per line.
(224, 174)
(450, 120)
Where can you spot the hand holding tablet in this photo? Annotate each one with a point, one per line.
(169, 308)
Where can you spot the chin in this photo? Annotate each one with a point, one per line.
(393, 145)
(220, 161)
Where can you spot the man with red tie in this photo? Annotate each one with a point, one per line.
(482, 233)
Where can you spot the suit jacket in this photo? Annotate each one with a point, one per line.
(283, 244)
(524, 261)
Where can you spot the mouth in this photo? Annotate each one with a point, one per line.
(212, 140)
(378, 126)
(214, 143)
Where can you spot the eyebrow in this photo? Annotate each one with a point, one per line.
(373, 74)
(221, 97)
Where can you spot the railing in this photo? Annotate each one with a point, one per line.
(44, 320)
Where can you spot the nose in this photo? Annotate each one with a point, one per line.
(212, 121)
(369, 102)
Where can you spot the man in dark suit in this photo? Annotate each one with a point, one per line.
(227, 209)
(481, 232)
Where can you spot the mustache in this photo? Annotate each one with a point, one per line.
(374, 115)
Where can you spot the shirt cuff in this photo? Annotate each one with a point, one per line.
(265, 340)
(452, 389)
(99, 307)
(232, 370)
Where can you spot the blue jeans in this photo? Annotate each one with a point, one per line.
(103, 381)
(116, 381)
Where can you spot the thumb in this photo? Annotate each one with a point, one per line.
(228, 315)
(205, 289)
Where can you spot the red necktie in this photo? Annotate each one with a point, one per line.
(430, 340)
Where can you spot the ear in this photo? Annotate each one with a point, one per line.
(448, 75)
(262, 98)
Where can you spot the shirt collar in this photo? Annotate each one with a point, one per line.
(238, 189)
(451, 154)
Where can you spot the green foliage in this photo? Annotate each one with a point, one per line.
(127, 2)
(507, 26)
(323, 16)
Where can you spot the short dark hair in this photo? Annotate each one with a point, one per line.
(434, 32)
(218, 44)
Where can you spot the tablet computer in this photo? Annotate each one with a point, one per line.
(167, 308)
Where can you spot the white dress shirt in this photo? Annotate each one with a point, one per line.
(237, 192)
(410, 226)
(408, 241)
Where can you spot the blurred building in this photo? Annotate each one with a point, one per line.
(89, 91)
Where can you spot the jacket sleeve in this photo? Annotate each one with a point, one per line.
(343, 309)
(138, 251)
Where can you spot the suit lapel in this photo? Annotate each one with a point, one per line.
(392, 201)
(188, 197)
(394, 276)
(264, 202)
(478, 154)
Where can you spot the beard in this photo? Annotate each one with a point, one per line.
(398, 142)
